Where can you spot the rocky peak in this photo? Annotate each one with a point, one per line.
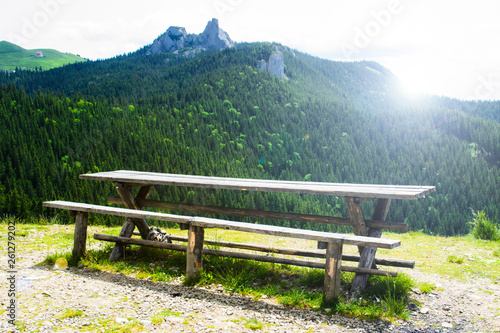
(176, 40)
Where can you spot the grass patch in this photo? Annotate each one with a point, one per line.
(455, 260)
(483, 228)
(51, 259)
(426, 288)
(69, 313)
(253, 324)
(159, 317)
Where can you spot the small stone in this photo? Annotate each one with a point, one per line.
(446, 325)
(146, 323)
(412, 306)
(424, 310)
(121, 320)
(47, 323)
(328, 310)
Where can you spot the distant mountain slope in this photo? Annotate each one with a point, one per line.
(13, 56)
(217, 113)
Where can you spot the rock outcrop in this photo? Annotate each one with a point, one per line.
(275, 65)
(177, 40)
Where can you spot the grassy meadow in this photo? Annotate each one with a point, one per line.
(462, 258)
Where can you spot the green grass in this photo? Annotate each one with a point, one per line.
(12, 56)
(426, 288)
(483, 227)
(455, 260)
(253, 324)
(69, 313)
(158, 318)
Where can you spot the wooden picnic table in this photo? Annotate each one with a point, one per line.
(354, 195)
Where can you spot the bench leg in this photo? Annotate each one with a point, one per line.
(367, 255)
(194, 259)
(333, 266)
(80, 244)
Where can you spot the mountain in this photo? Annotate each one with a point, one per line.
(13, 56)
(220, 112)
(177, 40)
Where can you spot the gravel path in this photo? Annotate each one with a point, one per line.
(109, 301)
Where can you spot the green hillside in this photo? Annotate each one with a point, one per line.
(217, 114)
(13, 56)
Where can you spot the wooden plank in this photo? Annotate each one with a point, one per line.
(299, 252)
(293, 233)
(367, 255)
(80, 236)
(333, 264)
(229, 225)
(129, 225)
(238, 255)
(331, 220)
(339, 189)
(194, 259)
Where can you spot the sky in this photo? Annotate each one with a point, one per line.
(440, 47)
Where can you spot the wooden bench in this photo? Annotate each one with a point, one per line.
(194, 249)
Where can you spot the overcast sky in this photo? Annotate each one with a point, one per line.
(443, 47)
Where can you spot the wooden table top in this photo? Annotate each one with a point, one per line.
(138, 178)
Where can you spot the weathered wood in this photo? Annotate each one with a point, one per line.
(118, 251)
(293, 233)
(367, 255)
(129, 225)
(229, 225)
(129, 202)
(338, 189)
(396, 226)
(333, 266)
(194, 258)
(80, 237)
(141, 242)
(356, 216)
(237, 255)
(299, 252)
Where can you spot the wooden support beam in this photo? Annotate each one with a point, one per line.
(130, 223)
(80, 238)
(333, 266)
(238, 255)
(194, 258)
(332, 220)
(367, 255)
(298, 252)
(356, 216)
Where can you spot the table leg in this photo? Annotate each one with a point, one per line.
(130, 224)
(367, 254)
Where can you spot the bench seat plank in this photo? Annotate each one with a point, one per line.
(321, 188)
(229, 225)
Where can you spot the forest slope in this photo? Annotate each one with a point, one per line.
(217, 114)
